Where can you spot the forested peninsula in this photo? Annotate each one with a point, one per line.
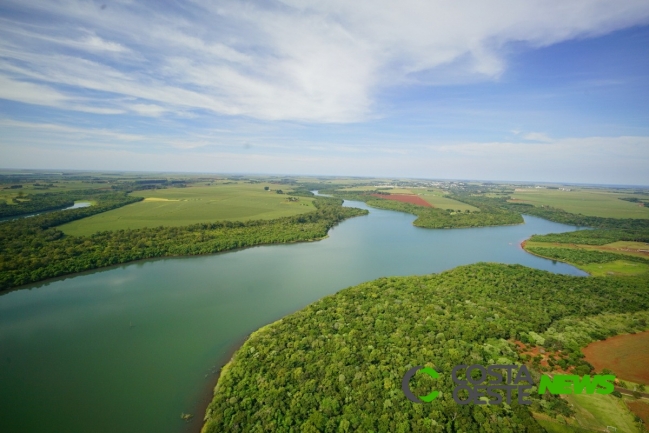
(33, 249)
(433, 218)
(336, 366)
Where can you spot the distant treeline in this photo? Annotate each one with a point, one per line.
(563, 217)
(594, 237)
(32, 203)
(33, 249)
(337, 365)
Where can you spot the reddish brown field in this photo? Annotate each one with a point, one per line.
(626, 355)
(640, 409)
(405, 198)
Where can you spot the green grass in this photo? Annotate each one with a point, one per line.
(618, 267)
(592, 203)
(555, 427)
(596, 412)
(185, 206)
(438, 200)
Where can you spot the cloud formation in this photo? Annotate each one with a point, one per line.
(307, 61)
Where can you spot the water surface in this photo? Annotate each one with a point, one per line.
(128, 349)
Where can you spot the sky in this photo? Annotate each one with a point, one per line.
(528, 90)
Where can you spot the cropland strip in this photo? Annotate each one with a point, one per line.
(626, 355)
(405, 198)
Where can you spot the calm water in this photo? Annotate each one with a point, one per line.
(129, 348)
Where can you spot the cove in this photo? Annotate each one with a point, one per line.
(127, 349)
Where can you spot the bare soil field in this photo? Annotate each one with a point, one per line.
(639, 408)
(405, 198)
(626, 355)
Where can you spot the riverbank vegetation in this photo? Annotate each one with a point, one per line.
(34, 249)
(337, 364)
(598, 252)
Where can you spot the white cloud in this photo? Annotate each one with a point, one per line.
(312, 61)
(537, 136)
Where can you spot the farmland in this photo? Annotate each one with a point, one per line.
(439, 200)
(626, 355)
(595, 412)
(436, 198)
(598, 203)
(185, 206)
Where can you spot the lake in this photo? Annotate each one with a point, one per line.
(127, 349)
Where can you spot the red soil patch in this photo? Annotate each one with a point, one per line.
(626, 355)
(640, 409)
(533, 351)
(405, 198)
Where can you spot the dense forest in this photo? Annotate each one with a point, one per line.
(594, 237)
(434, 218)
(337, 365)
(33, 249)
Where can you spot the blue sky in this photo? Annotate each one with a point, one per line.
(500, 90)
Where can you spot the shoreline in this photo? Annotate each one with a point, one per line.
(551, 258)
(38, 284)
(206, 395)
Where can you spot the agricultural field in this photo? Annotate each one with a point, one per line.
(435, 198)
(185, 206)
(596, 412)
(587, 202)
(626, 355)
(640, 409)
(616, 267)
(552, 426)
(439, 200)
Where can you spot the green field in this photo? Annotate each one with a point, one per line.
(596, 412)
(618, 267)
(184, 206)
(552, 426)
(435, 197)
(587, 202)
(615, 267)
(438, 200)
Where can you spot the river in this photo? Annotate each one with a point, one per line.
(127, 349)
